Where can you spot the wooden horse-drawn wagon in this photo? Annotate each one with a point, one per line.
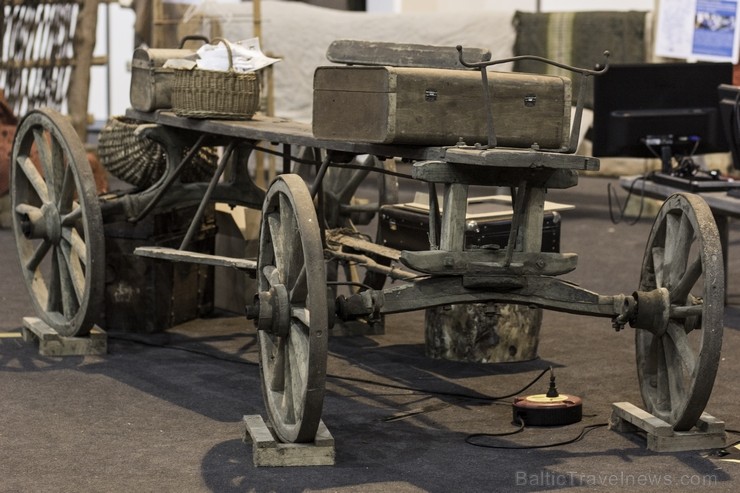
(58, 222)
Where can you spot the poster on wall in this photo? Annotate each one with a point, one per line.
(705, 30)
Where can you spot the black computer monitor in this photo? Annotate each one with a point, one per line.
(659, 109)
(729, 112)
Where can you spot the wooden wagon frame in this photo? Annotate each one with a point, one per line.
(677, 310)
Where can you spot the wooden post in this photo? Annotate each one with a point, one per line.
(84, 44)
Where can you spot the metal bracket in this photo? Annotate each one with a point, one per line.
(575, 128)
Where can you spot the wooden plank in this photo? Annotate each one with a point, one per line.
(175, 255)
(709, 433)
(84, 44)
(491, 262)
(49, 63)
(353, 52)
(283, 131)
(710, 424)
(454, 213)
(642, 419)
(516, 158)
(530, 233)
(685, 441)
(51, 343)
(357, 243)
(444, 172)
(267, 451)
(258, 432)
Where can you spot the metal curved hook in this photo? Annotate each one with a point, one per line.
(583, 71)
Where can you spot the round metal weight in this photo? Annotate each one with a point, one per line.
(483, 333)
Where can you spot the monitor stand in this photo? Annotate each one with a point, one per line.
(683, 179)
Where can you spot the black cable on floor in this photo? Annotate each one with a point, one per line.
(338, 377)
(469, 439)
(622, 209)
(584, 431)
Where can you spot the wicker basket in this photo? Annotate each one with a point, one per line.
(230, 95)
(141, 161)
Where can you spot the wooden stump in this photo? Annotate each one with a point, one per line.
(483, 333)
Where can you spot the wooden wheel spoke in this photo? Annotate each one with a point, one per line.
(73, 216)
(291, 243)
(675, 382)
(298, 365)
(658, 257)
(277, 369)
(299, 290)
(661, 374)
(28, 210)
(683, 312)
(651, 362)
(34, 177)
(75, 270)
(57, 166)
(285, 240)
(39, 253)
(69, 288)
(54, 299)
(41, 141)
(51, 159)
(65, 200)
(679, 237)
(682, 288)
(275, 227)
(680, 342)
(287, 399)
(302, 314)
(272, 275)
(73, 238)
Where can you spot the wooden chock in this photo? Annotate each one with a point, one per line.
(709, 432)
(268, 451)
(51, 343)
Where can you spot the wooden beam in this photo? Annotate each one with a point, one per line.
(79, 86)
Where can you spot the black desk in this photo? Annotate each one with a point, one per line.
(722, 205)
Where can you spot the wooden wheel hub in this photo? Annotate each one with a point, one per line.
(273, 311)
(45, 223)
(653, 310)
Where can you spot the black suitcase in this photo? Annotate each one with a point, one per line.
(405, 228)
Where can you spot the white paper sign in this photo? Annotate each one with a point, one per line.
(698, 30)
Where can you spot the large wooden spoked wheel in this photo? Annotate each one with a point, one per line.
(57, 222)
(680, 311)
(293, 321)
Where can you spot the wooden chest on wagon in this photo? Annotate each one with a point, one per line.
(428, 106)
